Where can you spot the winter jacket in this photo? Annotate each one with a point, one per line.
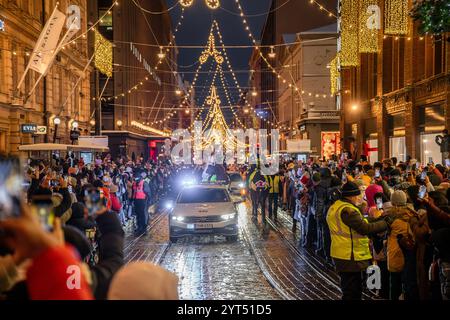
(321, 203)
(400, 227)
(116, 206)
(437, 218)
(110, 244)
(78, 220)
(355, 221)
(49, 275)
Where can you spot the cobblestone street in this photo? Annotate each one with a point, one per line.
(265, 262)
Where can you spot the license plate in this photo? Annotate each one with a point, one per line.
(204, 226)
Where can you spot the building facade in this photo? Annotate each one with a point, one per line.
(290, 18)
(140, 96)
(398, 99)
(23, 21)
(309, 113)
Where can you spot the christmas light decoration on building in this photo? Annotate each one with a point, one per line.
(211, 51)
(148, 128)
(369, 26)
(349, 54)
(146, 79)
(334, 75)
(103, 59)
(396, 17)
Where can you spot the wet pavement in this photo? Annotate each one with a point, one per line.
(265, 263)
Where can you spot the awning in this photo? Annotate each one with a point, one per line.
(44, 147)
(88, 147)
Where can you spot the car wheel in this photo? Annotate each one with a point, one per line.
(231, 238)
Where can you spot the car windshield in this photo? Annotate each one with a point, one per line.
(199, 195)
(235, 177)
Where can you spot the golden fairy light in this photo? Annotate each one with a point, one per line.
(211, 51)
(369, 26)
(349, 56)
(103, 59)
(396, 15)
(334, 75)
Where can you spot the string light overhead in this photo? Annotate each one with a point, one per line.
(211, 51)
(212, 4)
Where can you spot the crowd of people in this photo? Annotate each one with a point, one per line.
(64, 237)
(391, 214)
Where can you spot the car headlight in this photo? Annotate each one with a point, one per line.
(169, 205)
(241, 185)
(188, 182)
(178, 218)
(228, 216)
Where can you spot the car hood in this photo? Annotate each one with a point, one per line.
(204, 209)
(235, 184)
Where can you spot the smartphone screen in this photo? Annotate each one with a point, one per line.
(422, 192)
(447, 162)
(377, 173)
(379, 202)
(423, 175)
(11, 185)
(46, 215)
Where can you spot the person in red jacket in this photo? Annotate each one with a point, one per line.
(55, 271)
(116, 205)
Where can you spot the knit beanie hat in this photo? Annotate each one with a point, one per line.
(127, 283)
(398, 198)
(350, 189)
(316, 177)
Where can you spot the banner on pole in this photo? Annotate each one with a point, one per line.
(46, 45)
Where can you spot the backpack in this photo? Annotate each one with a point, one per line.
(333, 195)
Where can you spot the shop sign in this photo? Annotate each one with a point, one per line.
(29, 128)
(41, 130)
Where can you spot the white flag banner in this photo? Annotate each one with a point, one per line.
(45, 47)
(73, 23)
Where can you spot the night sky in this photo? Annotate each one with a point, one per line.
(195, 30)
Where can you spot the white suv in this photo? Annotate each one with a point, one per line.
(204, 209)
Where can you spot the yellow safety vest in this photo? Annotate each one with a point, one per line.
(344, 240)
(274, 184)
(253, 186)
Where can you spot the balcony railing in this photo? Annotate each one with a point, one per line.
(320, 115)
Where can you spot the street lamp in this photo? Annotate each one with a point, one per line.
(178, 92)
(92, 122)
(119, 124)
(354, 107)
(75, 125)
